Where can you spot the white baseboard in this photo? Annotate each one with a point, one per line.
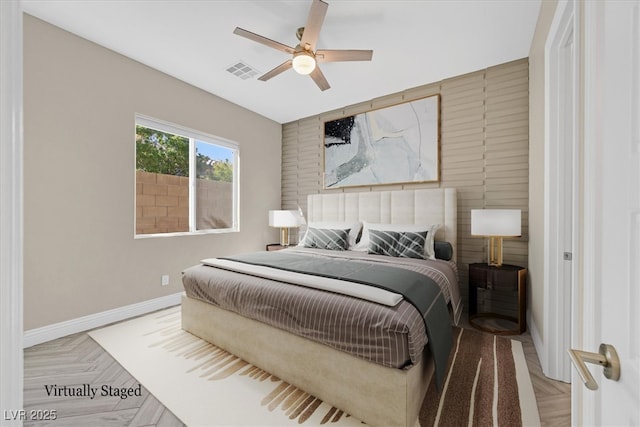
(537, 342)
(81, 324)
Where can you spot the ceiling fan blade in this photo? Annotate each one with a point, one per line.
(319, 78)
(279, 69)
(263, 40)
(314, 22)
(343, 55)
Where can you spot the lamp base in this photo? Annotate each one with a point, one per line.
(495, 251)
(284, 236)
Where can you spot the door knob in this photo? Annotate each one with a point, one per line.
(607, 357)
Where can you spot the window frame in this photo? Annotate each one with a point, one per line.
(193, 136)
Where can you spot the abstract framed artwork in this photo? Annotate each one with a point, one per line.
(392, 145)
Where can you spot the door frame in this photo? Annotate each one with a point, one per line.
(583, 404)
(561, 100)
(11, 212)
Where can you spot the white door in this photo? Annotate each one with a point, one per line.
(608, 299)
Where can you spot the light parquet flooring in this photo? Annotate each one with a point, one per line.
(77, 360)
(553, 397)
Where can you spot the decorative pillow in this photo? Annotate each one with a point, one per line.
(407, 244)
(353, 228)
(325, 238)
(429, 252)
(443, 250)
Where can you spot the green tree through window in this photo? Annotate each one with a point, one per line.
(161, 152)
(214, 170)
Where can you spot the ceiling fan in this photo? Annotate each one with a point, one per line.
(305, 56)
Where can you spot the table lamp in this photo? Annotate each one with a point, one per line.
(285, 220)
(496, 224)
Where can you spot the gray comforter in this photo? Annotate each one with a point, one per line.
(391, 336)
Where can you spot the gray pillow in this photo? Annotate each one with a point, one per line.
(325, 238)
(444, 250)
(406, 244)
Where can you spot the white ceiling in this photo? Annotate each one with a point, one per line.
(414, 43)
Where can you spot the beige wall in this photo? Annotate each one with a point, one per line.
(484, 153)
(80, 104)
(536, 165)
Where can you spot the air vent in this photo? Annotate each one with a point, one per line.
(242, 70)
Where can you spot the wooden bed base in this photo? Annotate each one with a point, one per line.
(377, 395)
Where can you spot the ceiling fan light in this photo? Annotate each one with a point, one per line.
(304, 63)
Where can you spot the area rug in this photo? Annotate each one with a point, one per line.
(487, 383)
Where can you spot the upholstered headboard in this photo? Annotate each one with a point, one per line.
(422, 206)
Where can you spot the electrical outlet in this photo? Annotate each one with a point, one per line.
(165, 280)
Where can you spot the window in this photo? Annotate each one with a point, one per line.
(186, 181)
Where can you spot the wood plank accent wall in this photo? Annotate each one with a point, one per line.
(484, 153)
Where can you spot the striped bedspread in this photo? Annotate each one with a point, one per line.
(392, 336)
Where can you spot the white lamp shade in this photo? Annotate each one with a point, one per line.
(285, 219)
(496, 222)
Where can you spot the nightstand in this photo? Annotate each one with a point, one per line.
(503, 278)
(274, 247)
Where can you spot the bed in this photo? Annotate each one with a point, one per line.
(379, 390)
